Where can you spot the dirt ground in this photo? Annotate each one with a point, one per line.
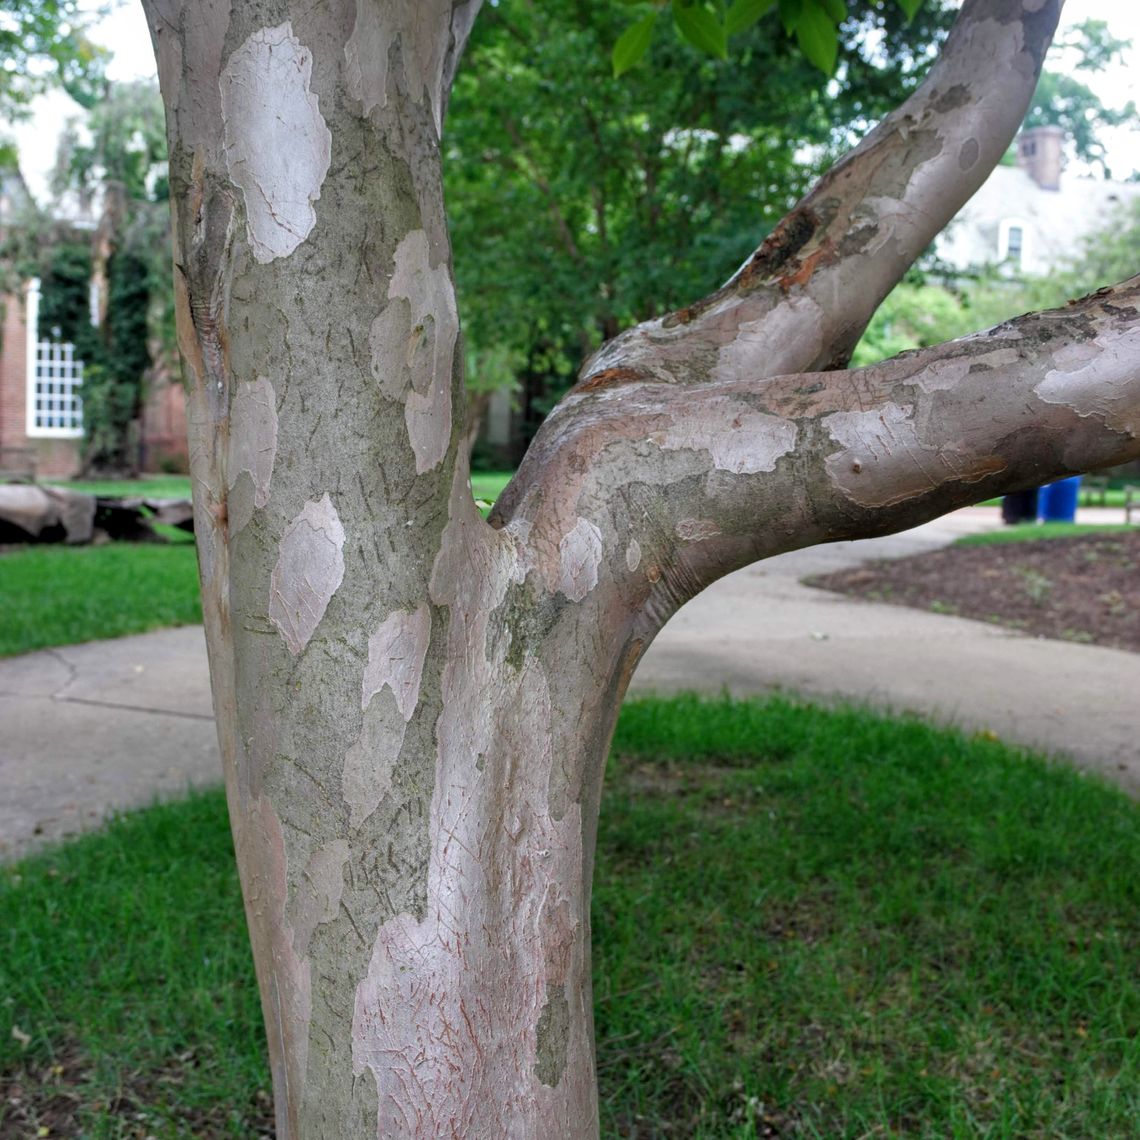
(1084, 588)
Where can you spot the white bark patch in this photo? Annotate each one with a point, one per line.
(504, 912)
(505, 906)
(633, 555)
(423, 30)
(883, 460)
(580, 555)
(1098, 379)
(277, 145)
(413, 348)
(309, 570)
(697, 530)
(396, 653)
(946, 374)
(253, 437)
(737, 438)
(368, 765)
(319, 897)
(778, 342)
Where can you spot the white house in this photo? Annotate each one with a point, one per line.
(1027, 216)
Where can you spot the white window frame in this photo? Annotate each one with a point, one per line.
(1004, 226)
(54, 378)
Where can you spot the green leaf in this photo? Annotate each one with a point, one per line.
(633, 43)
(910, 7)
(790, 14)
(701, 28)
(818, 38)
(742, 14)
(837, 10)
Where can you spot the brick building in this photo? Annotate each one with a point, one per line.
(41, 388)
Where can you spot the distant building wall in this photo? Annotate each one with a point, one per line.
(1029, 218)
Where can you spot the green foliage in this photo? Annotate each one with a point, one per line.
(119, 154)
(43, 43)
(65, 280)
(1062, 100)
(708, 25)
(580, 204)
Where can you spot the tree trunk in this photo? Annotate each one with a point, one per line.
(414, 706)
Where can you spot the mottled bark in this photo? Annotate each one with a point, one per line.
(413, 705)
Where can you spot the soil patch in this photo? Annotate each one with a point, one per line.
(1085, 588)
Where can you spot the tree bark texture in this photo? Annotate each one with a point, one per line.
(414, 705)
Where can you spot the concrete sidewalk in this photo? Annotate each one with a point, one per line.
(89, 729)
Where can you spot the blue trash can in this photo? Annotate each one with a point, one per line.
(1059, 500)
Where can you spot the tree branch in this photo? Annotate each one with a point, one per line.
(692, 482)
(802, 300)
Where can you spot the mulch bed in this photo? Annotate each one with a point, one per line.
(1085, 588)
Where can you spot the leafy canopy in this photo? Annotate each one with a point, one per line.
(709, 25)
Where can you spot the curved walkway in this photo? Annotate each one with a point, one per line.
(89, 729)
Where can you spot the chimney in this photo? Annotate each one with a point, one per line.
(1039, 153)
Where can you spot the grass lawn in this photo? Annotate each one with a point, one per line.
(485, 484)
(807, 923)
(61, 595)
(147, 487)
(1030, 532)
(57, 595)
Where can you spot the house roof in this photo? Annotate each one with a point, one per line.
(1054, 223)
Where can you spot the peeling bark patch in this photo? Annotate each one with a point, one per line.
(737, 438)
(320, 893)
(418, 330)
(696, 530)
(277, 145)
(253, 437)
(368, 765)
(580, 555)
(778, 342)
(396, 653)
(309, 570)
(422, 27)
(968, 154)
(553, 1038)
(504, 901)
(633, 555)
(1098, 379)
(883, 461)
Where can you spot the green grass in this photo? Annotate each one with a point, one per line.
(60, 595)
(149, 487)
(486, 485)
(1030, 532)
(55, 595)
(827, 924)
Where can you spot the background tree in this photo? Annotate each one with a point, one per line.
(1062, 100)
(43, 43)
(641, 190)
(414, 705)
(112, 163)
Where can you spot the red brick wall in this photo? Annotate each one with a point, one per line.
(163, 421)
(164, 426)
(54, 458)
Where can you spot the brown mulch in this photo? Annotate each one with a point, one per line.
(1084, 588)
